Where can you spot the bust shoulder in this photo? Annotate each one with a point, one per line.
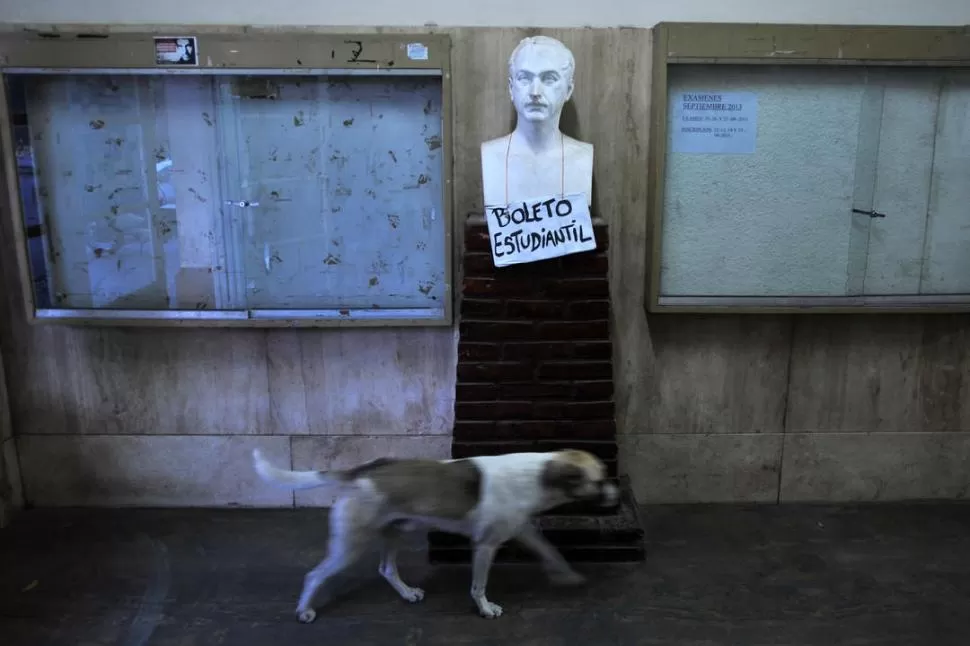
(577, 147)
(493, 146)
(573, 147)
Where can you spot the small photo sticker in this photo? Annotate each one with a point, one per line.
(176, 50)
(417, 52)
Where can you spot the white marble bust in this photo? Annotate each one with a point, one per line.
(536, 159)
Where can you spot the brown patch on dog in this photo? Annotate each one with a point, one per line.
(363, 469)
(563, 475)
(586, 461)
(424, 487)
(572, 472)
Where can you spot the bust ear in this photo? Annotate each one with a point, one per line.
(563, 476)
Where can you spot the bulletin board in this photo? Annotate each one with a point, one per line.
(802, 168)
(210, 179)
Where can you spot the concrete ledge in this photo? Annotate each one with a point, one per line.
(796, 467)
(869, 467)
(149, 471)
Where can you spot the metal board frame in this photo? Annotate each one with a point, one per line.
(99, 48)
(784, 44)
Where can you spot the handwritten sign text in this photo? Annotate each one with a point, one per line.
(539, 229)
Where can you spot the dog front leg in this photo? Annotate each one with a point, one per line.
(481, 564)
(557, 569)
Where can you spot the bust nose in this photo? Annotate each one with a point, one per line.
(535, 87)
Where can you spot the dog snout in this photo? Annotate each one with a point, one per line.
(610, 494)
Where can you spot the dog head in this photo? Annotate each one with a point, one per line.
(578, 475)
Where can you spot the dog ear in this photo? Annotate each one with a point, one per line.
(561, 475)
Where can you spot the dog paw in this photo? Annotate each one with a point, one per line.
(306, 616)
(490, 610)
(567, 578)
(413, 595)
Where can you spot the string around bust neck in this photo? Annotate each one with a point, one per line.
(562, 167)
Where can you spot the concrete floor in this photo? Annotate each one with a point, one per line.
(752, 576)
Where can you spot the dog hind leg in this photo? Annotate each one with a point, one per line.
(388, 567)
(348, 541)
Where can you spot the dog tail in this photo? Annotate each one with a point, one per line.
(291, 479)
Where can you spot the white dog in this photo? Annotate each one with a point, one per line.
(489, 499)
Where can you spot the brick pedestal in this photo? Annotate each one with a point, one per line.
(535, 373)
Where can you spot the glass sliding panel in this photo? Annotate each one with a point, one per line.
(855, 185)
(340, 191)
(946, 247)
(236, 195)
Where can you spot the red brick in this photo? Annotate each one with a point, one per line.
(476, 392)
(492, 410)
(550, 410)
(473, 431)
(487, 309)
(592, 350)
(472, 449)
(573, 330)
(604, 450)
(586, 370)
(562, 431)
(612, 468)
(504, 286)
(599, 429)
(531, 390)
(505, 431)
(586, 264)
(527, 271)
(535, 309)
(493, 371)
(577, 288)
(590, 410)
(476, 238)
(479, 351)
(593, 390)
(573, 410)
(602, 233)
(500, 287)
(477, 226)
(588, 310)
(483, 287)
(538, 350)
(565, 349)
(525, 429)
(472, 330)
(478, 264)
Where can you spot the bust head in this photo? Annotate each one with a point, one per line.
(540, 78)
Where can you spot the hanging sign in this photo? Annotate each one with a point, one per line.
(539, 229)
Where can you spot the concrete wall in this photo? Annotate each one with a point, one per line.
(11, 495)
(708, 408)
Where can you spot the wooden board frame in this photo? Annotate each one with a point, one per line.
(783, 44)
(103, 48)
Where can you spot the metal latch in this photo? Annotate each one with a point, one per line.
(241, 203)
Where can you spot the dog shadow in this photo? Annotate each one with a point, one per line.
(521, 586)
